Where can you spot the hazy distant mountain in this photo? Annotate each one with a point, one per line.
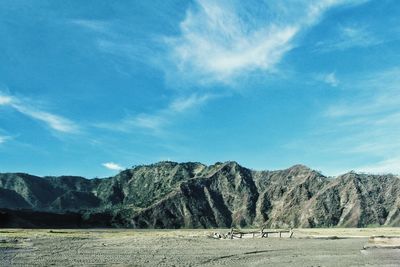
(193, 195)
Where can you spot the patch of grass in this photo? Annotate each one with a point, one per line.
(374, 225)
(9, 245)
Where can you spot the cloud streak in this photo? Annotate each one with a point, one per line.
(157, 121)
(4, 139)
(329, 78)
(113, 166)
(55, 122)
(391, 165)
(359, 129)
(219, 41)
(185, 103)
(369, 121)
(349, 37)
(93, 25)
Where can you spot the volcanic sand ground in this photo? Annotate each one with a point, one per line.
(309, 247)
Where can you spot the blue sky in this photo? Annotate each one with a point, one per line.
(90, 87)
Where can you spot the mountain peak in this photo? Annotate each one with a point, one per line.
(300, 168)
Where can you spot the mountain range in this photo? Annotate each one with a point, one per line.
(193, 195)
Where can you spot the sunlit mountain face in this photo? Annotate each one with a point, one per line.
(193, 195)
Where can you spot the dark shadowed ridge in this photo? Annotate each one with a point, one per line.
(193, 195)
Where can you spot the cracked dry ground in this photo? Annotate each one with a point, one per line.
(148, 250)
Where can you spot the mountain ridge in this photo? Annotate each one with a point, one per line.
(193, 195)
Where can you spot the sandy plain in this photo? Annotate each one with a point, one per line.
(105, 247)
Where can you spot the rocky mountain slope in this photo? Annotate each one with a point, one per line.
(193, 195)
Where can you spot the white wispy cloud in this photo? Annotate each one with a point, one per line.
(349, 37)
(147, 121)
(55, 122)
(219, 41)
(4, 139)
(158, 120)
(93, 25)
(390, 165)
(184, 103)
(5, 100)
(113, 37)
(113, 166)
(329, 78)
(377, 96)
(359, 129)
(369, 122)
